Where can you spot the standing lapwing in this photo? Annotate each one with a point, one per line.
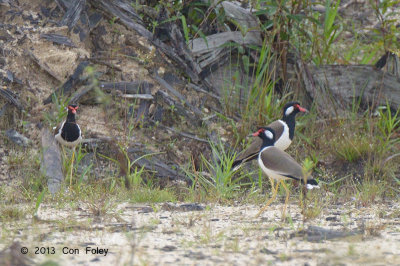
(69, 134)
(284, 130)
(279, 165)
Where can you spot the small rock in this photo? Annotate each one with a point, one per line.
(195, 255)
(331, 218)
(168, 248)
(191, 207)
(183, 207)
(17, 138)
(10, 76)
(267, 251)
(146, 210)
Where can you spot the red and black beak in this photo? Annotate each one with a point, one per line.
(72, 109)
(255, 134)
(301, 109)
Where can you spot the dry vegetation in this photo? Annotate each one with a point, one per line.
(117, 200)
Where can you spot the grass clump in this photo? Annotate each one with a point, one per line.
(353, 148)
(11, 213)
(216, 178)
(369, 192)
(311, 204)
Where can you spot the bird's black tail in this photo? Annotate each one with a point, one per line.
(236, 164)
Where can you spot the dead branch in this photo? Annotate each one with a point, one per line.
(72, 81)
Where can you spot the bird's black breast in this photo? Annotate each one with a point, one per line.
(70, 132)
(291, 123)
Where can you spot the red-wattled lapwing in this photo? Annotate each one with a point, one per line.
(69, 133)
(284, 130)
(279, 165)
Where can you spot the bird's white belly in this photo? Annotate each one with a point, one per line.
(284, 141)
(66, 143)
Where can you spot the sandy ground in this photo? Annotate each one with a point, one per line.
(216, 235)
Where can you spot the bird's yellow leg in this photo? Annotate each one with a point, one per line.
(64, 154)
(72, 166)
(275, 191)
(287, 197)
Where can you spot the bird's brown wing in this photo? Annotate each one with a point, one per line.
(251, 152)
(57, 128)
(281, 163)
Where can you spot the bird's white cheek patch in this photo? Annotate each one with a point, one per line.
(269, 134)
(289, 110)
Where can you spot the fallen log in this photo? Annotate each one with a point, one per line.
(183, 134)
(144, 105)
(197, 88)
(80, 93)
(62, 4)
(164, 84)
(213, 48)
(177, 41)
(131, 87)
(102, 62)
(73, 13)
(51, 164)
(58, 39)
(241, 16)
(155, 165)
(138, 96)
(11, 98)
(336, 87)
(131, 20)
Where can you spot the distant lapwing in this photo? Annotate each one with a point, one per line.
(279, 165)
(69, 134)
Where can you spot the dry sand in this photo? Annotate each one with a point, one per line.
(216, 235)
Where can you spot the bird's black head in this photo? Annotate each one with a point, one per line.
(72, 108)
(267, 134)
(292, 108)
